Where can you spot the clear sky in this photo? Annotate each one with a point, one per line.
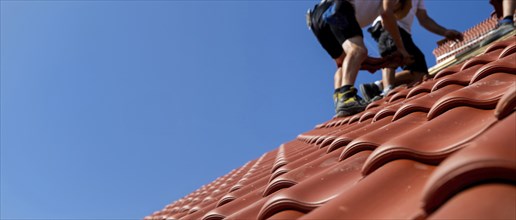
(114, 109)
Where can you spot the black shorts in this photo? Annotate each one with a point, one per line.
(419, 64)
(342, 26)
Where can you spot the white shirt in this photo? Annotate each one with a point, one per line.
(406, 22)
(366, 11)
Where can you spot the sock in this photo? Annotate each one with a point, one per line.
(345, 88)
(386, 90)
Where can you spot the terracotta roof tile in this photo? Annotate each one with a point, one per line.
(423, 152)
(392, 192)
(500, 194)
(492, 157)
(472, 38)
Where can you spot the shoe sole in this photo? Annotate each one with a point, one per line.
(350, 111)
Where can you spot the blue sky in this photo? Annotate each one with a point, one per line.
(114, 109)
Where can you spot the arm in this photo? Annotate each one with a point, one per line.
(428, 23)
(389, 23)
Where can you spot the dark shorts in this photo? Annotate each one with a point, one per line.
(419, 64)
(334, 30)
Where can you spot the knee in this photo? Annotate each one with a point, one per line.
(358, 53)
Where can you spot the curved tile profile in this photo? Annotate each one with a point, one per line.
(500, 44)
(302, 169)
(260, 169)
(388, 110)
(374, 104)
(423, 102)
(285, 169)
(280, 159)
(448, 71)
(508, 51)
(196, 215)
(504, 65)
(435, 140)
(256, 177)
(330, 139)
(482, 94)
(494, 201)
(481, 60)
(324, 139)
(323, 187)
(251, 187)
(239, 203)
(462, 78)
(203, 196)
(491, 156)
(368, 114)
(350, 136)
(286, 214)
(354, 118)
(399, 95)
(318, 131)
(394, 192)
(247, 212)
(372, 140)
(507, 103)
(394, 91)
(424, 87)
(289, 154)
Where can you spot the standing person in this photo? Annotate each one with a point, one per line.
(504, 11)
(337, 25)
(411, 73)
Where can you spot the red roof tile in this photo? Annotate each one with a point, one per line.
(423, 152)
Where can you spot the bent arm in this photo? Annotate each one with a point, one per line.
(389, 23)
(428, 23)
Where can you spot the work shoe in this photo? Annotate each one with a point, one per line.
(370, 90)
(348, 103)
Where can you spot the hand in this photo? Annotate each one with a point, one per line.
(453, 35)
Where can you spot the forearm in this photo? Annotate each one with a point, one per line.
(432, 26)
(428, 23)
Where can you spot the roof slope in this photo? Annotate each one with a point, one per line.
(424, 152)
(446, 48)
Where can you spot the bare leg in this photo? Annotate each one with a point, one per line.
(356, 52)
(400, 78)
(338, 74)
(388, 77)
(508, 7)
(407, 77)
(338, 78)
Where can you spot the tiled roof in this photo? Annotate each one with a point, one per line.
(447, 49)
(445, 148)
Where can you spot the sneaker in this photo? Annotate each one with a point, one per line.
(500, 30)
(369, 91)
(386, 91)
(349, 104)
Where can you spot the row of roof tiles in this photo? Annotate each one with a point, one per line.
(445, 148)
(472, 37)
